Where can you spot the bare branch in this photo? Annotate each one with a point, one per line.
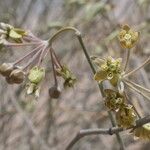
(108, 131)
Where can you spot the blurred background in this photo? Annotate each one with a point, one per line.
(29, 124)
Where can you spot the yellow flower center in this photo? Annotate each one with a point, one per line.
(127, 36)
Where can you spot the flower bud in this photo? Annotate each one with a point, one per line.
(54, 92)
(6, 69)
(36, 75)
(17, 76)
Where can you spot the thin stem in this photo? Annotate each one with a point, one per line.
(138, 68)
(57, 62)
(42, 54)
(61, 31)
(138, 86)
(29, 54)
(136, 90)
(127, 59)
(54, 71)
(33, 58)
(78, 34)
(120, 141)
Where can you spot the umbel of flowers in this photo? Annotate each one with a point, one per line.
(32, 72)
(30, 69)
(109, 69)
(112, 70)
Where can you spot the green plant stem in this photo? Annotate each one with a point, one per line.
(78, 34)
(127, 59)
(138, 68)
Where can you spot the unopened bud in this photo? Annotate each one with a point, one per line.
(54, 92)
(6, 69)
(17, 76)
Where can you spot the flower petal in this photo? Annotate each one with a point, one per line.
(100, 76)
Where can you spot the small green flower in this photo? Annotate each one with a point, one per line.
(16, 33)
(143, 132)
(114, 100)
(67, 75)
(127, 37)
(36, 75)
(126, 116)
(110, 69)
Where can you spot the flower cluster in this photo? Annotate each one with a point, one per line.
(114, 100)
(30, 65)
(128, 37)
(112, 70)
(126, 116)
(125, 113)
(108, 69)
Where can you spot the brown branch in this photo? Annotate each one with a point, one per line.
(107, 131)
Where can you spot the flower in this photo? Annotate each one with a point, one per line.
(143, 132)
(33, 88)
(8, 31)
(114, 100)
(67, 75)
(110, 69)
(127, 37)
(36, 74)
(126, 116)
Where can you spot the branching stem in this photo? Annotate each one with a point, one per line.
(138, 68)
(136, 90)
(79, 36)
(29, 54)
